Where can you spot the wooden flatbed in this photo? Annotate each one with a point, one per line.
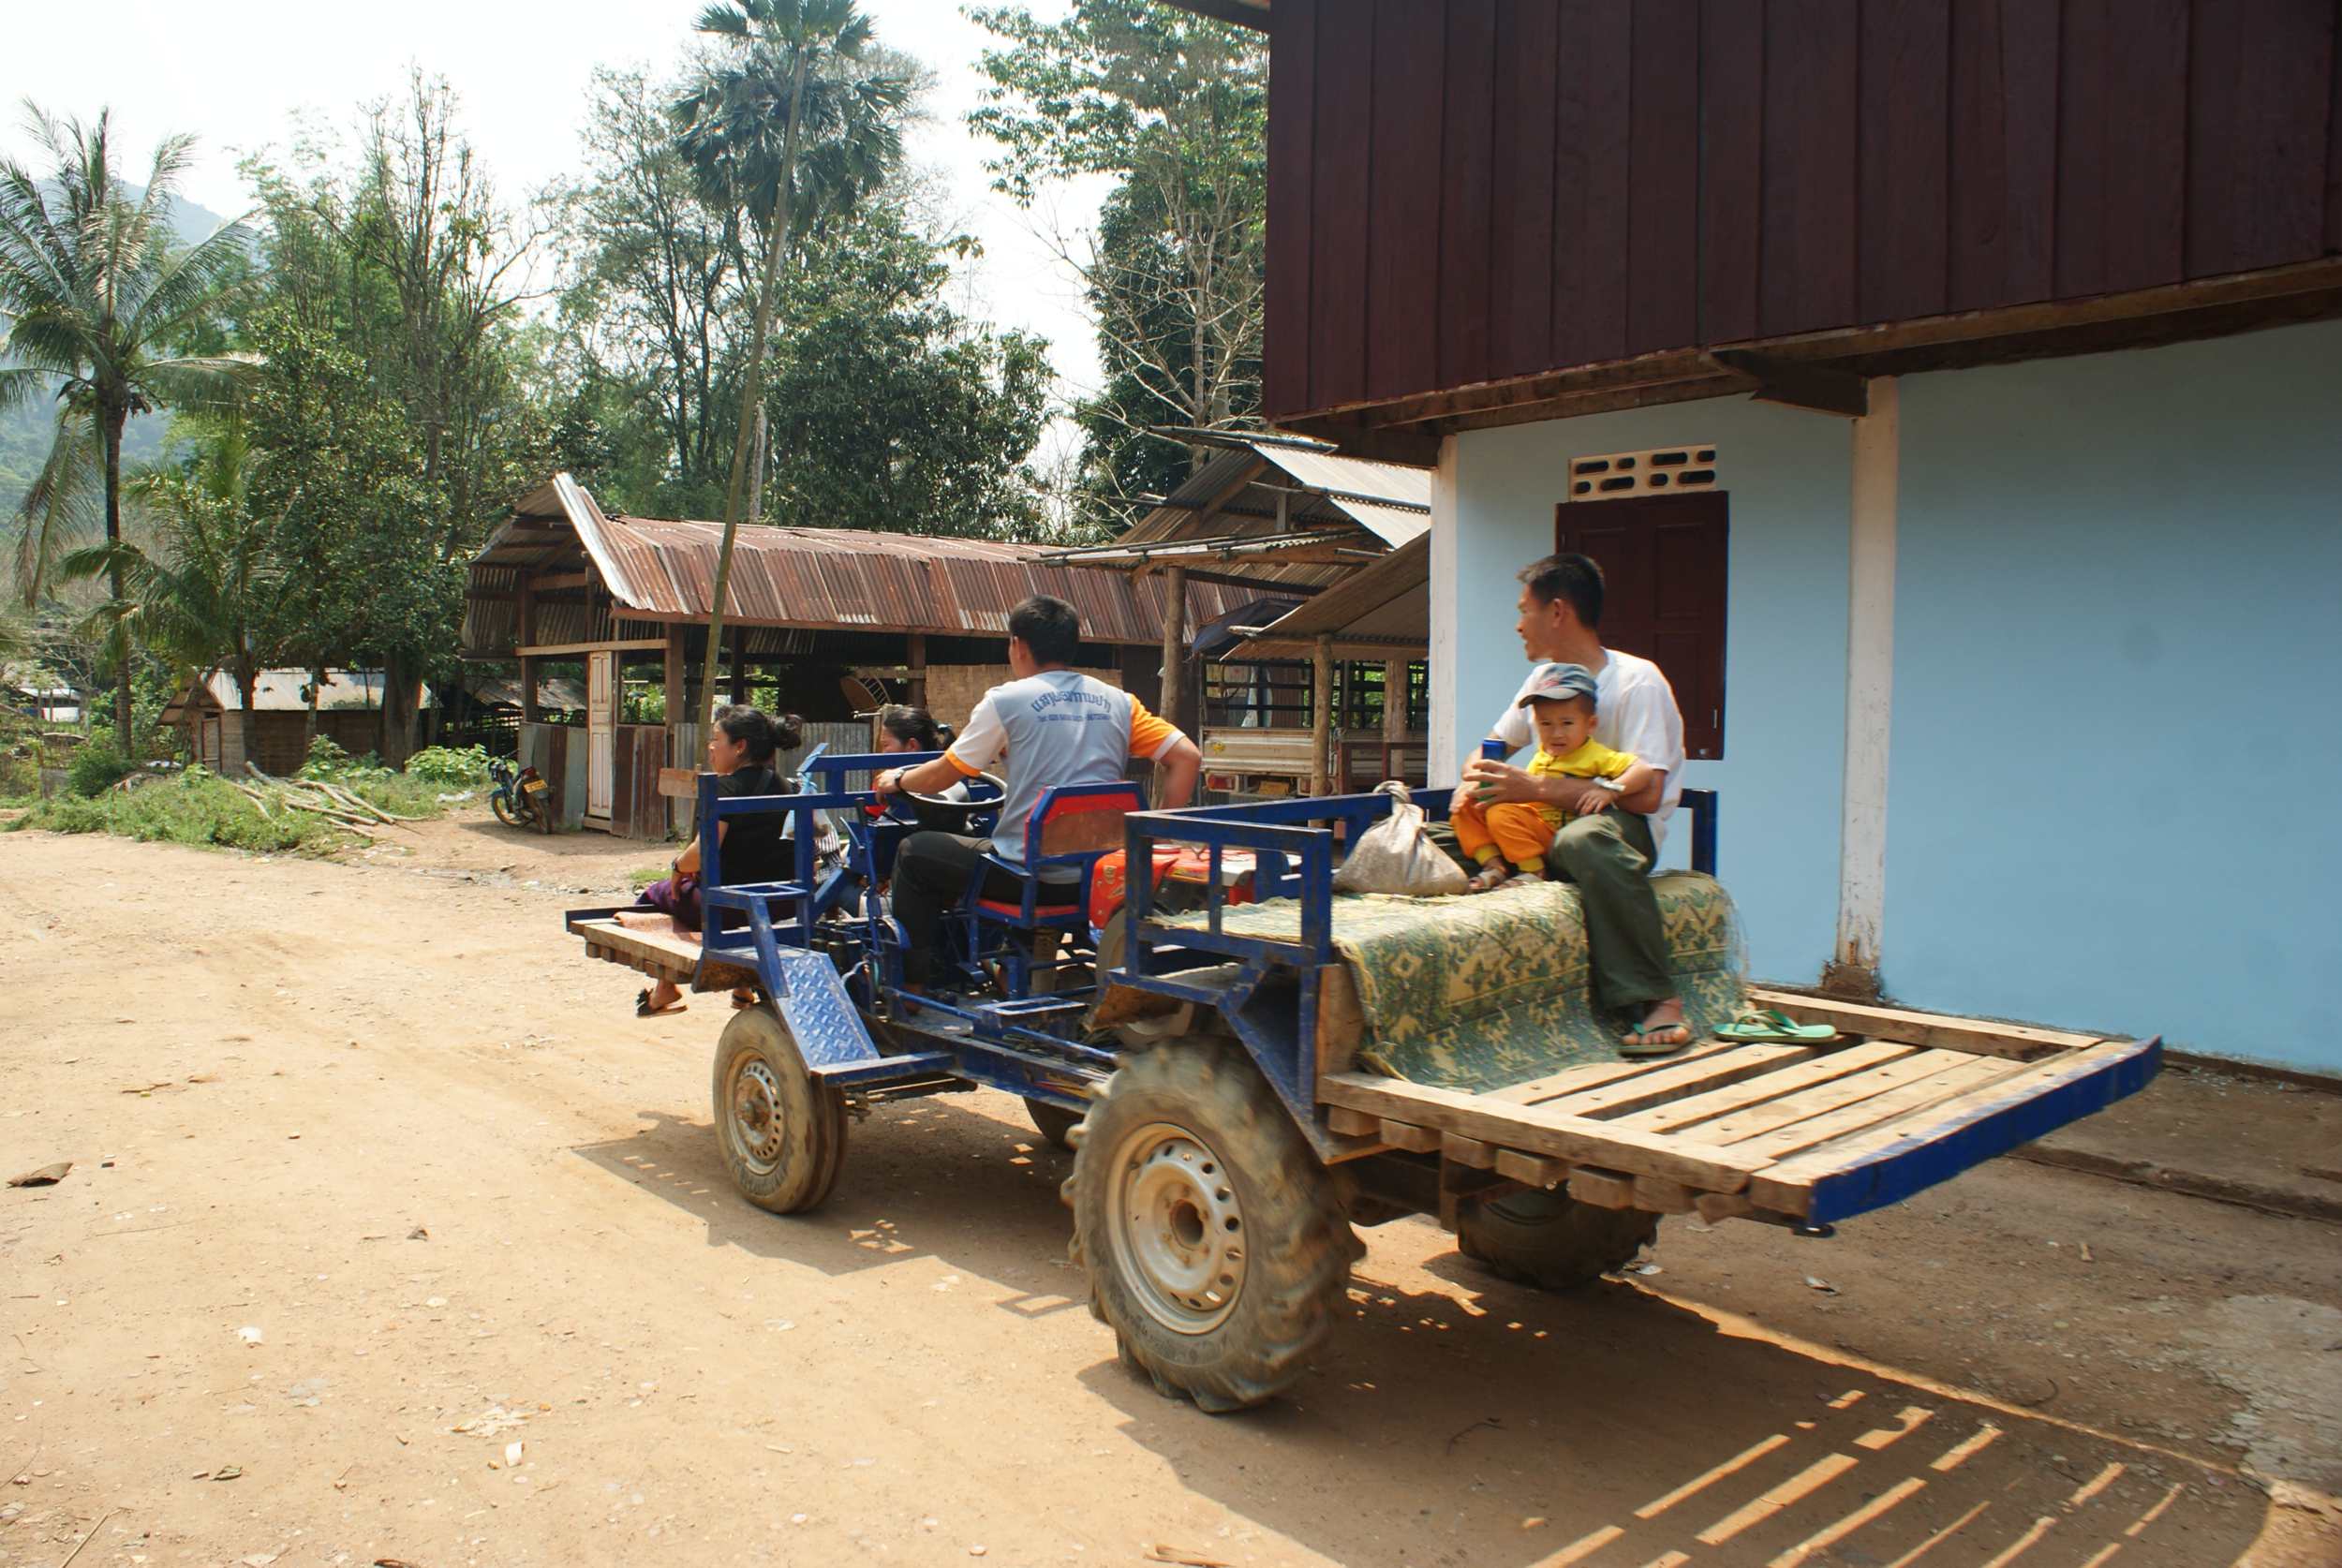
(665, 953)
(1800, 1132)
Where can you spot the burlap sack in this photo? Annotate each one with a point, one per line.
(1397, 854)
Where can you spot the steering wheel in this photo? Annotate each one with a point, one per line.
(945, 803)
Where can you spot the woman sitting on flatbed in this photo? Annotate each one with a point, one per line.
(740, 747)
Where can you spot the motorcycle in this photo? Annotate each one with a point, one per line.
(518, 798)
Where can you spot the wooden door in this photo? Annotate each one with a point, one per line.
(600, 732)
(210, 747)
(1662, 560)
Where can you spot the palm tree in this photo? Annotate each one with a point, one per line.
(790, 73)
(93, 291)
(211, 597)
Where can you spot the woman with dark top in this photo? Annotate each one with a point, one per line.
(740, 747)
(908, 729)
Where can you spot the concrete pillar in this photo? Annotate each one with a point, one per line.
(1869, 696)
(1446, 764)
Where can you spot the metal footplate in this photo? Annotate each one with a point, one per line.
(812, 999)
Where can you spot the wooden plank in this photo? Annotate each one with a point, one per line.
(1402, 283)
(1662, 1196)
(1467, 161)
(1520, 227)
(1766, 1087)
(1904, 82)
(1808, 222)
(1406, 1136)
(1663, 184)
(1945, 1083)
(1849, 1176)
(2020, 1041)
(1341, 1018)
(1591, 182)
(1291, 144)
(2003, 166)
(1536, 1129)
(1603, 1189)
(1352, 1124)
(1340, 191)
(1595, 1074)
(1835, 1094)
(1455, 1146)
(2122, 144)
(2259, 78)
(554, 650)
(1531, 1170)
(1731, 164)
(1728, 1067)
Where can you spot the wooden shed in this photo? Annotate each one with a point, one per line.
(816, 620)
(209, 712)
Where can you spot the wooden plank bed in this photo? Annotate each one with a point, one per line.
(664, 952)
(1790, 1132)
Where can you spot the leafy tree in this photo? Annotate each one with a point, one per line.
(1175, 108)
(788, 70)
(887, 408)
(95, 291)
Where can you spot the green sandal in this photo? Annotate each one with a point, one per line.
(1767, 1025)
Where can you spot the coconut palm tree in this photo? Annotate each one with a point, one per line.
(94, 294)
(788, 130)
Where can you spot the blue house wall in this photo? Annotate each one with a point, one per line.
(2118, 695)
(2117, 656)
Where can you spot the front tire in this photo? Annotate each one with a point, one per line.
(781, 1131)
(1551, 1241)
(1215, 1242)
(501, 805)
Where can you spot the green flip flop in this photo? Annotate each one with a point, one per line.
(1766, 1025)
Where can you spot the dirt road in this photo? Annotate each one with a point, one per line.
(375, 1175)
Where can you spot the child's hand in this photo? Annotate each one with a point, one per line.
(1593, 800)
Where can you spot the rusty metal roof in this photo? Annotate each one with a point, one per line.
(1384, 609)
(812, 578)
(1234, 499)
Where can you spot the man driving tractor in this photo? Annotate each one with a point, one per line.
(1057, 726)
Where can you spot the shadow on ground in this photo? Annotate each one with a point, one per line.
(1502, 1428)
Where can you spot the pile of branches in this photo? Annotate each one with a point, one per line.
(318, 798)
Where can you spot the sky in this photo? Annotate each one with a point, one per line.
(241, 75)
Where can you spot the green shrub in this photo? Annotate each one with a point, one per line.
(98, 767)
(195, 808)
(455, 766)
(327, 760)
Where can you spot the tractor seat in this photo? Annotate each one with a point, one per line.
(1044, 904)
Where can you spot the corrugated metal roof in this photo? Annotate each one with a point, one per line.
(664, 569)
(1235, 495)
(1385, 607)
(281, 692)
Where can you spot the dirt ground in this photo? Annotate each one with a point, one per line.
(392, 1235)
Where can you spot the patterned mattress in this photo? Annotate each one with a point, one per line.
(1476, 993)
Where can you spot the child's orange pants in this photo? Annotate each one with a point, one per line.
(1519, 829)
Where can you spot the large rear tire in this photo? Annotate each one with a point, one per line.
(1551, 1241)
(1215, 1242)
(782, 1132)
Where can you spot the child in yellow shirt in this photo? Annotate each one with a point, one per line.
(1512, 837)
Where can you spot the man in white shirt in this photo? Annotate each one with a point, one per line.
(1611, 841)
(1056, 726)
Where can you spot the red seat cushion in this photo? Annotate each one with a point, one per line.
(1016, 911)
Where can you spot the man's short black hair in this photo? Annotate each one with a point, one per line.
(1051, 628)
(1570, 576)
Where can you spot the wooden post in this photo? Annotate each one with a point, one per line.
(1321, 716)
(672, 678)
(739, 666)
(1173, 640)
(1394, 700)
(918, 669)
(528, 640)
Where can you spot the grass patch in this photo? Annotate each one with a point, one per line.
(199, 807)
(643, 875)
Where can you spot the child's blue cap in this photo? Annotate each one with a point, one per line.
(1559, 683)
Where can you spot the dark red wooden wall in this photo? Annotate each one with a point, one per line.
(1467, 190)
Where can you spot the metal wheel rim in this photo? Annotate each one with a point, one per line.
(756, 1116)
(1176, 1228)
